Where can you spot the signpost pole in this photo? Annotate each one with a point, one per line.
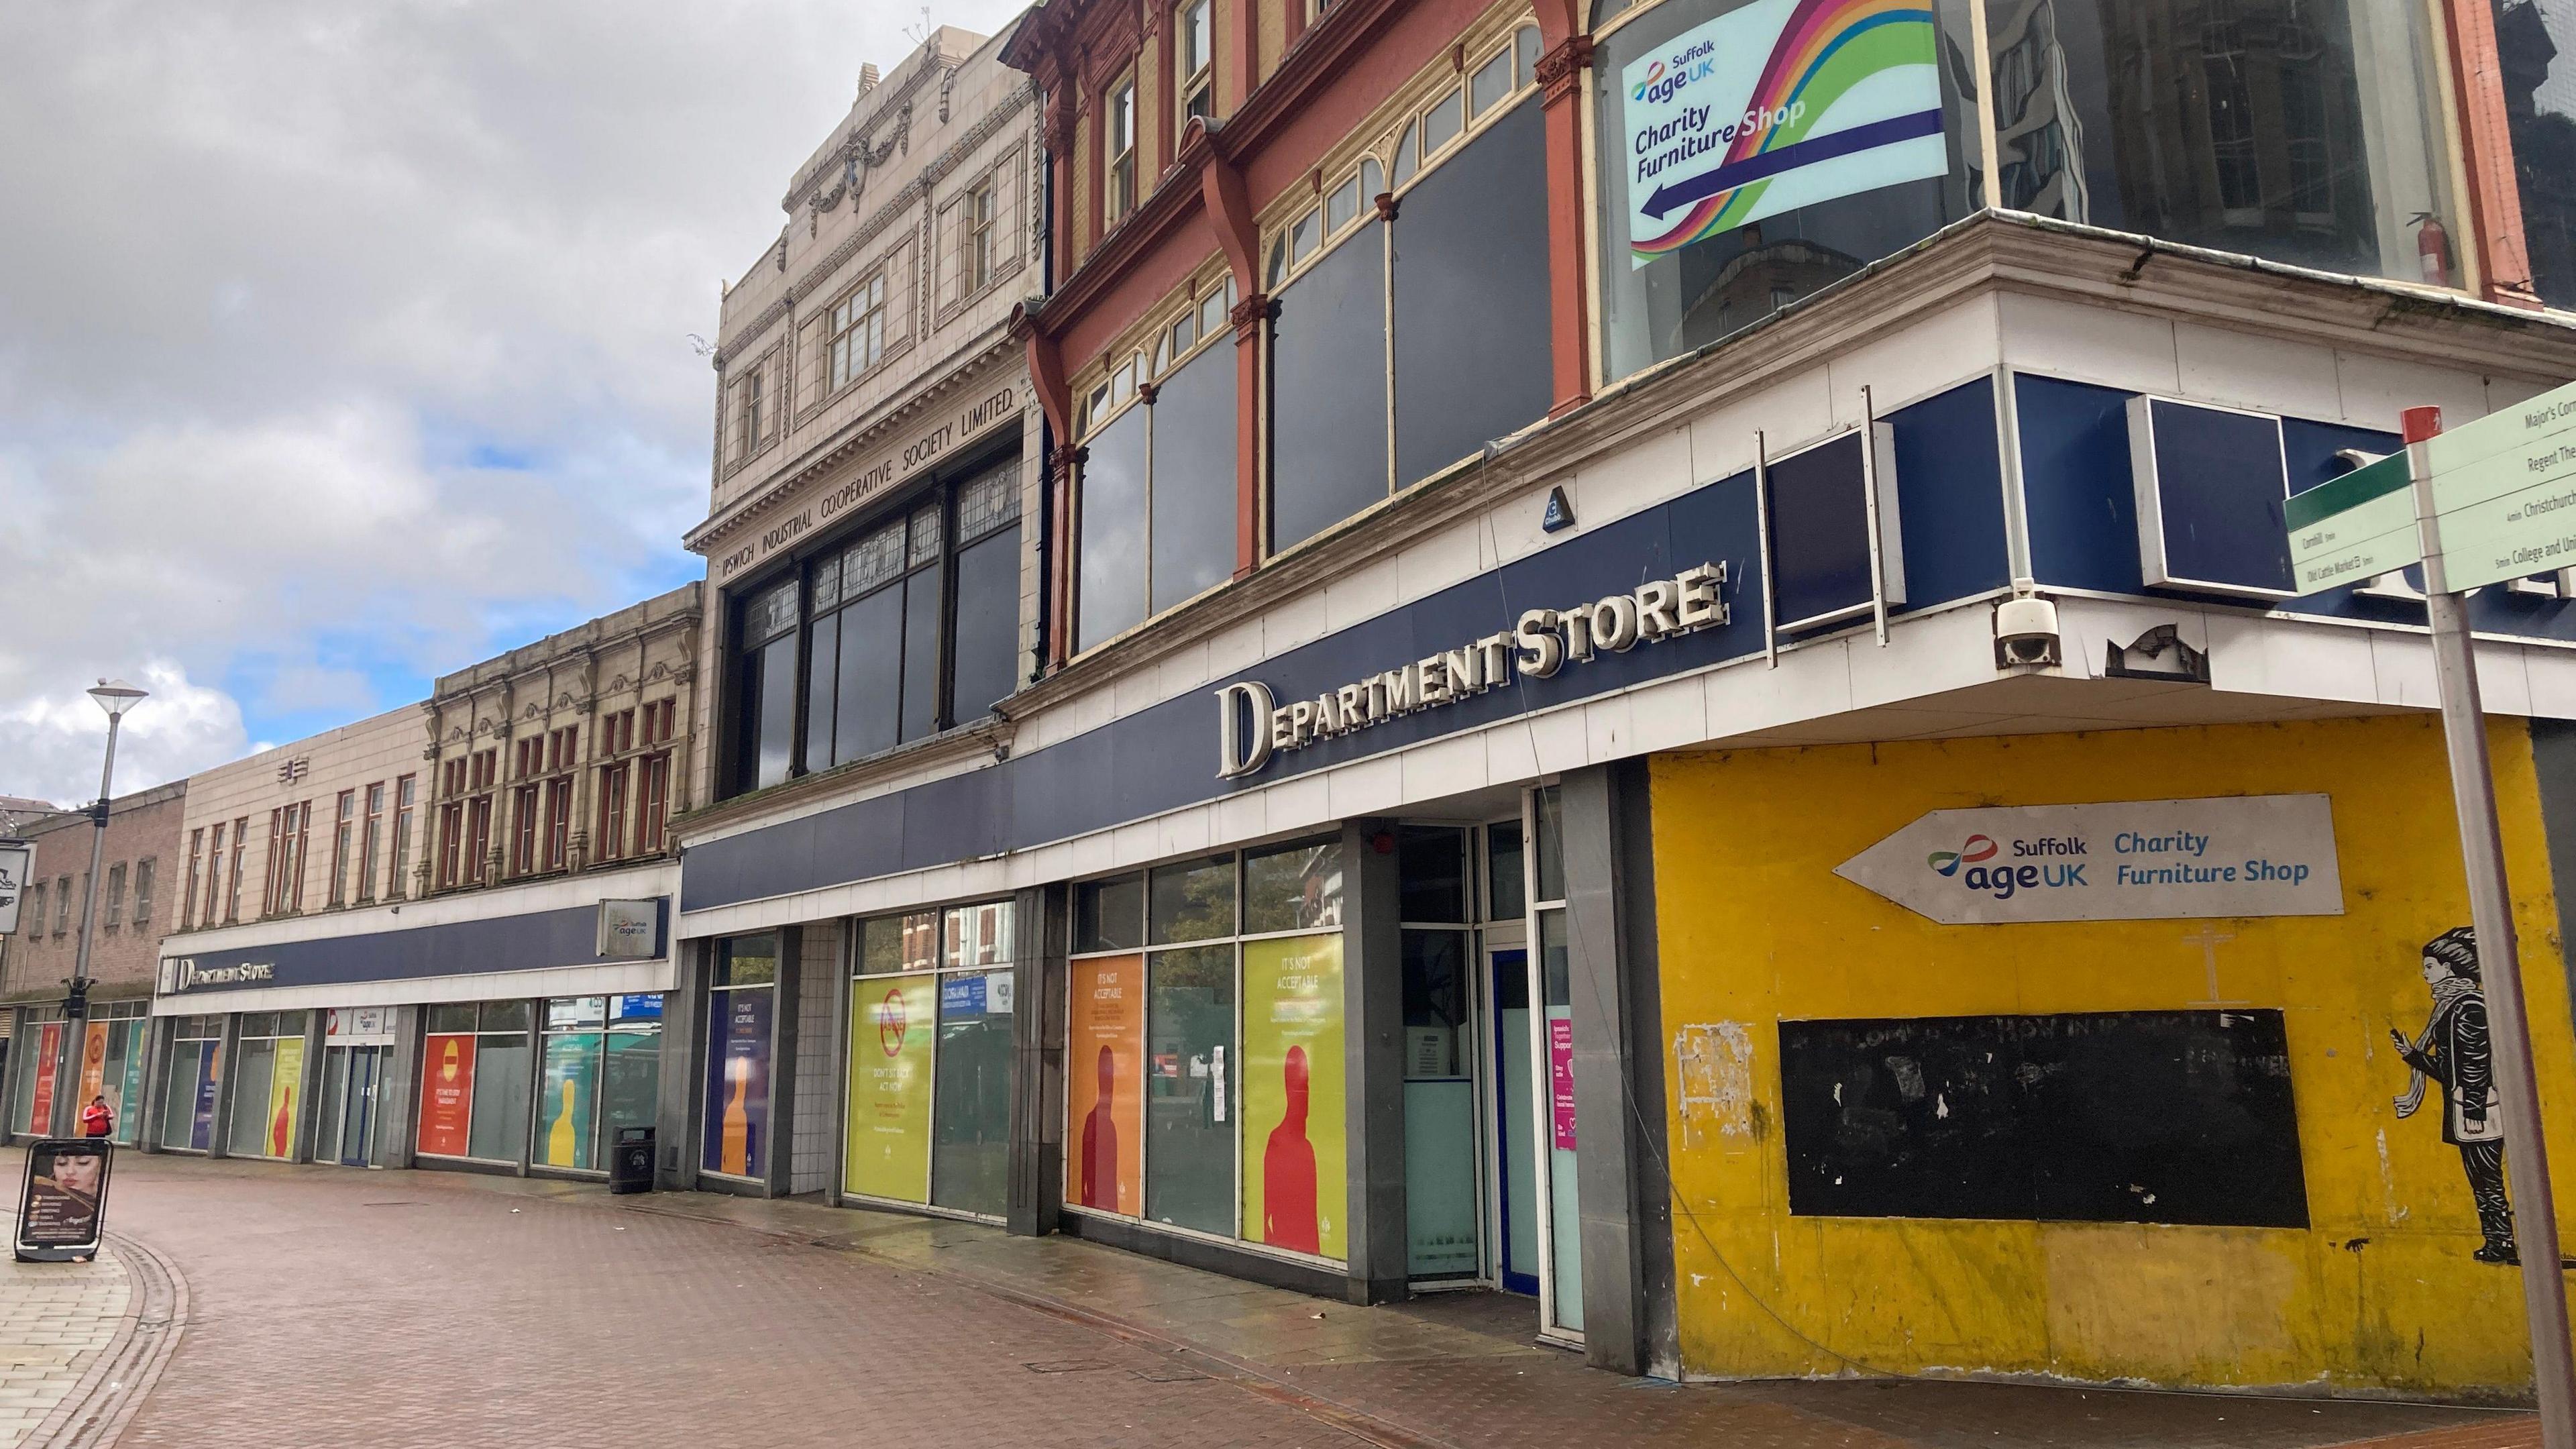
(2544, 1290)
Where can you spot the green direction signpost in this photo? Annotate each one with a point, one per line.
(2494, 501)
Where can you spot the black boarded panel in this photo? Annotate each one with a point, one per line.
(2180, 1117)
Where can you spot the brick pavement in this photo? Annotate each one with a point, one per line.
(433, 1309)
(56, 1320)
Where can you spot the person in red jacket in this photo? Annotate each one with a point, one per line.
(98, 1119)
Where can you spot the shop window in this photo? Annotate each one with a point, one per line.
(890, 653)
(1471, 298)
(477, 1062)
(1342, 207)
(1525, 55)
(1112, 599)
(742, 1000)
(930, 1074)
(599, 1070)
(1442, 123)
(267, 1084)
(1692, 252)
(2128, 1117)
(2536, 51)
(2301, 132)
(190, 1078)
(1506, 894)
(1218, 1043)
(1328, 390)
(1432, 864)
(1492, 83)
(39, 1071)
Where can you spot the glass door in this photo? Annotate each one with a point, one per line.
(1443, 1176)
(358, 1122)
(1552, 1124)
(335, 1101)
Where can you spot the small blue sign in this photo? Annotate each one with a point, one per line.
(961, 996)
(646, 1007)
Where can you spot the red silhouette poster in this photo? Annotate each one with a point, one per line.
(1295, 1164)
(40, 1105)
(446, 1093)
(1104, 1085)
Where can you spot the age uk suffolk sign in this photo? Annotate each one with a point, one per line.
(1782, 104)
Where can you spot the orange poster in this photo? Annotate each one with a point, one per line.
(446, 1093)
(1104, 1076)
(93, 1078)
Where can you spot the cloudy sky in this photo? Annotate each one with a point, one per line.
(343, 344)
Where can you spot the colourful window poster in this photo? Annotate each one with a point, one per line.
(446, 1093)
(210, 1079)
(1294, 1159)
(1104, 1085)
(1778, 105)
(49, 1055)
(566, 1105)
(285, 1089)
(1560, 1078)
(125, 1080)
(737, 1109)
(892, 1025)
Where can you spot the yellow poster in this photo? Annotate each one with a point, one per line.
(892, 1026)
(1294, 1161)
(286, 1078)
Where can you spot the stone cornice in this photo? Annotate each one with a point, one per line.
(991, 347)
(1986, 253)
(989, 738)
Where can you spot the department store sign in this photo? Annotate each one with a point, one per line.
(939, 438)
(186, 975)
(1778, 105)
(2122, 860)
(1252, 726)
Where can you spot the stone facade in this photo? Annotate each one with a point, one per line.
(564, 754)
(142, 864)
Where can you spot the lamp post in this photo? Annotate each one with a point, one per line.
(116, 697)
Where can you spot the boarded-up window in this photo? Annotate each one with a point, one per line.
(2124, 1117)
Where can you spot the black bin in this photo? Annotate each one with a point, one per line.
(630, 1163)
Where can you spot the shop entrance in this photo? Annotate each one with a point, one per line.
(351, 1077)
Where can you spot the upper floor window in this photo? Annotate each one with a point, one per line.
(114, 914)
(144, 870)
(1195, 59)
(62, 905)
(857, 336)
(753, 417)
(909, 628)
(344, 841)
(1120, 143)
(370, 837)
(188, 891)
(34, 923)
(2536, 51)
(398, 859)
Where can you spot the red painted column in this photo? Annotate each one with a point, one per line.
(1560, 76)
(2493, 209)
(1249, 315)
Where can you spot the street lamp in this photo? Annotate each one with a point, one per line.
(116, 697)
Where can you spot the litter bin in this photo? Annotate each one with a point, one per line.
(630, 1166)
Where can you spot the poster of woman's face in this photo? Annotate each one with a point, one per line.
(60, 1212)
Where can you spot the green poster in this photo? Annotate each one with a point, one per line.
(892, 1023)
(128, 1098)
(1294, 1161)
(566, 1103)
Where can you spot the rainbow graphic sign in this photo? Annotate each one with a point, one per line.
(1782, 104)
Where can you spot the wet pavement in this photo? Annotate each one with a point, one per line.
(435, 1309)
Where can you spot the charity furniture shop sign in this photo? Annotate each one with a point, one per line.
(2119, 860)
(1782, 104)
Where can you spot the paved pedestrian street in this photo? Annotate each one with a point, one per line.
(320, 1305)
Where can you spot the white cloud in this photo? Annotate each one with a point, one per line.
(181, 728)
(276, 273)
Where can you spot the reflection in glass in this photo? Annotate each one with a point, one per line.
(1190, 1067)
(1109, 915)
(1549, 807)
(1194, 485)
(1504, 888)
(2536, 51)
(2304, 131)
(1193, 902)
(1293, 887)
(1113, 530)
(1431, 864)
(1328, 389)
(502, 1065)
(971, 1095)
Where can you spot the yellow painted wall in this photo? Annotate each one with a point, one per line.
(2379, 1291)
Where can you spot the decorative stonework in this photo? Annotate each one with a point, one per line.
(1561, 69)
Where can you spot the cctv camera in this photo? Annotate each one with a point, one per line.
(2025, 632)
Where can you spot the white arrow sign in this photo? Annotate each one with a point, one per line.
(2119, 860)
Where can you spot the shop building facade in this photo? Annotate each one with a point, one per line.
(439, 937)
(1485, 817)
(56, 1064)
(873, 600)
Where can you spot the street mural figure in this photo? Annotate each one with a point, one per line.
(2455, 1050)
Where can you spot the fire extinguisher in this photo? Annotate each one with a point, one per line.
(2432, 249)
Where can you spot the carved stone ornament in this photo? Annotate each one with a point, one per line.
(1248, 315)
(1559, 69)
(1067, 458)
